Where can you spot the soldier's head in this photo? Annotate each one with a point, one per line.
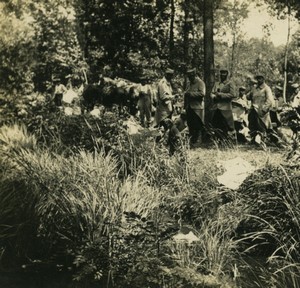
(242, 91)
(169, 73)
(224, 73)
(56, 80)
(191, 74)
(260, 79)
(144, 80)
(166, 124)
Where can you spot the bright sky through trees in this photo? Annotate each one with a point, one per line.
(258, 17)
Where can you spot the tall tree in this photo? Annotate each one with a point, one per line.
(286, 53)
(59, 52)
(172, 19)
(186, 31)
(209, 72)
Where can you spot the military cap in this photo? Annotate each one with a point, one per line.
(278, 87)
(191, 71)
(224, 70)
(242, 88)
(259, 76)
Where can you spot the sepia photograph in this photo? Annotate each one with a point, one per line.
(150, 144)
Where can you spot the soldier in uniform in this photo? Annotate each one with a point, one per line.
(194, 105)
(222, 95)
(262, 101)
(165, 97)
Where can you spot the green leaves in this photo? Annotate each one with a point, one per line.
(37, 40)
(282, 7)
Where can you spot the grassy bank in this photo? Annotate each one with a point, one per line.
(108, 215)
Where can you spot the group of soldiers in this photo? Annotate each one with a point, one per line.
(251, 116)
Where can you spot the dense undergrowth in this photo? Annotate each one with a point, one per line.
(80, 196)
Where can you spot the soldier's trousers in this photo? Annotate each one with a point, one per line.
(195, 125)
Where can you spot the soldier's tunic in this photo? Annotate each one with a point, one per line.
(262, 101)
(222, 116)
(164, 107)
(194, 106)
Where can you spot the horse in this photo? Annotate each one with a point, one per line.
(117, 92)
(109, 92)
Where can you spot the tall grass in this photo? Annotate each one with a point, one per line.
(220, 245)
(17, 216)
(107, 215)
(214, 213)
(273, 221)
(14, 137)
(77, 203)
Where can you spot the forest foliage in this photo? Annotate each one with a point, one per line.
(129, 39)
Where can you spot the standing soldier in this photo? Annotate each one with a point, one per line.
(164, 107)
(259, 115)
(194, 105)
(222, 95)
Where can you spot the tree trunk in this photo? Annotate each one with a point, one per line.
(286, 54)
(171, 42)
(209, 73)
(186, 33)
(233, 49)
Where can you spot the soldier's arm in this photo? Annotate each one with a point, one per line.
(228, 95)
(269, 100)
(200, 92)
(249, 95)
(214, 92)
(164, 92)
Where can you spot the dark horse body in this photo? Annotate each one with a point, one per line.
(108, 94)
